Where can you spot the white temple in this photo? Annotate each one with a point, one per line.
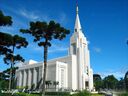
(72, 71)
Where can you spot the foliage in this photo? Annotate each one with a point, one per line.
(47, 83)
(25, 94)
(32, 86)
(121, 84)
(58, 93)
(123, 94)
(110, 82)
(97, 81)
(5, 20)
(3, 84)
(4, 37)
(8, 43)
(19, 94)
(55, 83)
(126, 80)
(43, 33)
(15, 42)
(97, 95)
(4, 77)
(82, 93)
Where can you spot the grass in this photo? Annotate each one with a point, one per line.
(97, 95)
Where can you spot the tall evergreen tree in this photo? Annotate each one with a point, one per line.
(8, 43)
(15, 42)
(44, 33)
(4, 37)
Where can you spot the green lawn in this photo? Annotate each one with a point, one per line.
(96, 95)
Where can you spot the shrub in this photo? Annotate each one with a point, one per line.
(82, 93)
(25, 94)
(123, 94)
(58, 93)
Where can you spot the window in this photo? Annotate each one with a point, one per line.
(74, 48)
(62, 77)
(75, 30)
(86, 84)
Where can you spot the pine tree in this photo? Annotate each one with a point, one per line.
(44, 33)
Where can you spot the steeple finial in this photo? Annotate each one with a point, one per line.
(77, 10)
(77, 23)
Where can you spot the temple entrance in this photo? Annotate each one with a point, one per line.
(86, 84)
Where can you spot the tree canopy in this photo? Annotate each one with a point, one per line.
(110, 82)
(4, 37)
(5, 20)
(8, 43)
(46, 32)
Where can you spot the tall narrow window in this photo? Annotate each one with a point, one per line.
(74, 48)
(62, 77)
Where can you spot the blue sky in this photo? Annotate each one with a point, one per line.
(104, 23)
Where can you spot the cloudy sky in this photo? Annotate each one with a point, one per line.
(104, 23)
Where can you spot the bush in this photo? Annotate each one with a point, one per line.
(25, 94)
(82, 93)
(5, 94)
(123, 94)
(58, 93)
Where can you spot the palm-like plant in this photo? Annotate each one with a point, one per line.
(44, 33)
(55, 83)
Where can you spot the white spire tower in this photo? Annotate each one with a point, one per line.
(77, 23)
(79, 48)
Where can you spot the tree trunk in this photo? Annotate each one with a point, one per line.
(10, 79)
(45, 68)
(11, 69)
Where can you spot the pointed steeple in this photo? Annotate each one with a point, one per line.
(77, 22)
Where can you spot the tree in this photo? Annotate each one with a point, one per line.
(4, 37)
(44, 33)
(121, 84)
(7, 41)
(15, 42)
(97, 81)
(126, 80)
(4, 77)
(110, 82)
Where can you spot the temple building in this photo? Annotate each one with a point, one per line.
(71, 72)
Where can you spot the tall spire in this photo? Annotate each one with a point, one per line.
(77, 23)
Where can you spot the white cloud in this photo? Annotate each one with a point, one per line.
(53, 49)
(57, 49)
(29, 15)
(117, 73)
(97, 49)
(63, 18)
